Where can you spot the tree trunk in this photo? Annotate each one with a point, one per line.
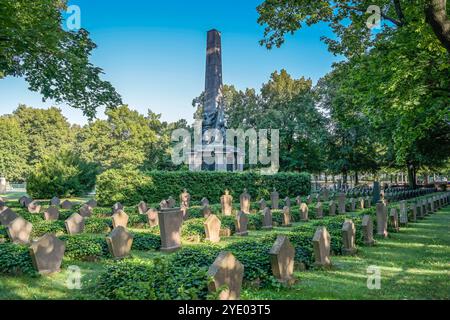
(356, 178)
(412, 177)
(436, 15)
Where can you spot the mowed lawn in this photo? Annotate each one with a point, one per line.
(415, 264)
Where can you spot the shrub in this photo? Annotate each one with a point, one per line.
(63, 175)
(130, 186)
(98, 225)
(85, 247)
(15, 260)
(146, 241)
(193, 228)
(199, 255)
(43, 227)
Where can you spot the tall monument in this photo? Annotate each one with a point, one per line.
(213, 122)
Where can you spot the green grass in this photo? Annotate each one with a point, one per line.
(415, 264)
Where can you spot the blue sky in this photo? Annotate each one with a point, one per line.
(153, 52)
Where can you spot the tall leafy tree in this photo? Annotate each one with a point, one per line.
(55, 62)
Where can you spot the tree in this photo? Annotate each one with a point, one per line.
(348, 20)
(13, 150)
(53, 61)
(47, 131)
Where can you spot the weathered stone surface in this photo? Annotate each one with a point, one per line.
(361, 203)
(204, 202)
(19, 231)
(394, 220)
(368, 202)
(7, 216)
(34, 207)
(25, 201)
(309, 199)
(332, 208)
(120, 219)
(228, 272)
(298, 200)
(287, 217)
(47, 254)
(66, 205)
(325, 194)
(241, 224)
(275, 198)
(142, 207)
(119, 242)
(206, 211)
(352, 205)
(382, 220)
(170, 222)
(92, 203)
(267, 219)
(245, 200)
(75, 224)
(171, 202)
(185, 199)
(348, 238)
(304, 212)
(164, 204)
(319, 210)
(227, 203)
(117, 207)
(55, 202)
(85, 211)
(341, 203)
(152, 217)
(282, 257)
(212, 229)
(367, 229)
(287, 202)
(322, 250)
(403, 213)
(51, 214)
(415, 212)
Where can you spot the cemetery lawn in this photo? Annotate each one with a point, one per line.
(415, 265)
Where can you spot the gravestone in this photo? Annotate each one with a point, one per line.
(206, 211)
(262, 204)
(2, 204)
(319, 210)
(326, 194)
(226, 272)
(185, 199)
(117, 207)
(92, 203)
(164, 204)
(275, 198)
(267, 219)
(382, 220)
(304, 211)
(85, 211)
(25, 201)
(367, 229)
(424, 208)
(19, 231)
(34, 207)
(318, 198)
(204, 202)
(287, 217)
(403, 213)
(298, 200)
(376, 196)
(171, 202)
(415, 214)
(212, 229)
(341, 203)
(75, 224)
(245, 201)
(361, 203)
(394, 220)
(142, 207)
(368, 202)
(352, 205)
(322, 249)
(241, 224)
(287, 202)
(66, 205)
(7, 216)
(282, 257)
(119, 243)
(170, 222)
(55, 202)
(152, 217)
(227, 203)
(120, 219)
(332, 206)
(51, 214)
(47, 254)
(309, 199)
(348, 238)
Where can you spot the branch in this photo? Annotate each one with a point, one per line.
(399, 11)
(394, 21)
(436, 13)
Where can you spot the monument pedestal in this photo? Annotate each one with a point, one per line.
(216, 158)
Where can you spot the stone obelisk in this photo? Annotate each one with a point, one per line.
(213, 82)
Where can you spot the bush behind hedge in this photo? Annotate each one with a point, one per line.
(131, 186)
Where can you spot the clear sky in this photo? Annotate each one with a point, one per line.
(153, 52)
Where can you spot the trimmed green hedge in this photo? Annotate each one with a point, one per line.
(130, 187)
(15, 260)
